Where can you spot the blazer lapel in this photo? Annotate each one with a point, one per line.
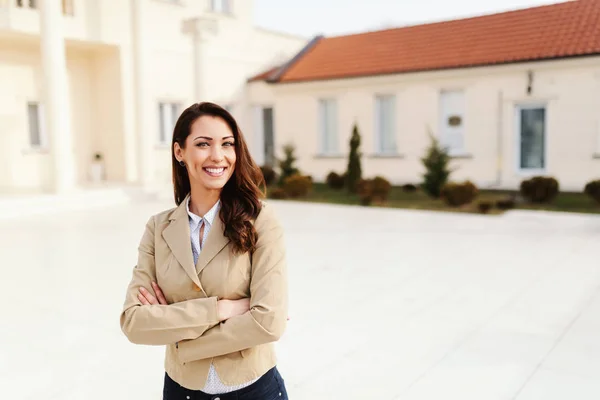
(177, 237)
(215, 242)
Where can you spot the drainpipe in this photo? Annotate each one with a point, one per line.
(499, 139)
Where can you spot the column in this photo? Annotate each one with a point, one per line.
(56, 107)
(199, 28)
(198, 57)
(145, 121)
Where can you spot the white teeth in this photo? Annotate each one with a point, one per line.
(215, 170)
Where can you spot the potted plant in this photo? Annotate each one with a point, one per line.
(97, 169)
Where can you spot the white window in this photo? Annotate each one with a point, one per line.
(68, 7)
(328, 126)
(27, 3)
(385, 124)
(531, 147)
(37, 138)
(452, 121)
(168, 114)
(221, 6)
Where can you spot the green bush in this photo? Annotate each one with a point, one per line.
(458, 194)
(297, 185)
(376, 189)
(354, 171)
(484, 206)
(592, 189)
(540, 189)
(505, 204)
(278, 193)
(364, 189)
(269, 174)
(381, 188)
(437, 172)
(286, 165)
(335, 181)
(409, 188)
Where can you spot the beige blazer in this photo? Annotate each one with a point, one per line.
(240, 348)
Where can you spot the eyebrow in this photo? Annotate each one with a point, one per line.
(209, 138)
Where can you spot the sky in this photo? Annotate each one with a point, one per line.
(309, 18)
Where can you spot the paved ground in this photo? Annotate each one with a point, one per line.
(385, 304)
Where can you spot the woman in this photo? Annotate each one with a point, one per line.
(211, 277)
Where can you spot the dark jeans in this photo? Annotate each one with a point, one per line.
(270, 386)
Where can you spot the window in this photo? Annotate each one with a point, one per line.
(531, 123)
(168, 114)
(385, 124)
(27, 3)
(221, 6)
(36, 132)
(328, 126)
(68, 8)
(452, 124)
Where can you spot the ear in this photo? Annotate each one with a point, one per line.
(178, 151)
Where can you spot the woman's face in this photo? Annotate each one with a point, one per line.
(209, 153)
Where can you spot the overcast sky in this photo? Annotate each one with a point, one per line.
(334, 17)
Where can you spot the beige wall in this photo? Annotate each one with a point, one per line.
(100, 67)
(96, 123)
(570, 89)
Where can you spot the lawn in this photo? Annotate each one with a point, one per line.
(569, 202)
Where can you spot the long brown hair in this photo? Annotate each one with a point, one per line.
(241, 195)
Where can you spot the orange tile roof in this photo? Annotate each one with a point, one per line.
(265, 75)
(547, 32)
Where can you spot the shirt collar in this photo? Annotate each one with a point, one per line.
(208, 218)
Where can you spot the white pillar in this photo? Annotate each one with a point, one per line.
(145, 121)
(198, 59)
(199, 28)
(57, 114)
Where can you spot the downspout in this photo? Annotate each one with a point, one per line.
(499, 139)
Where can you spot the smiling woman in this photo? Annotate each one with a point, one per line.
(211, 279)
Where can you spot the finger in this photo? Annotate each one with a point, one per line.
(151, 299)
(159, 294)
(142, 299)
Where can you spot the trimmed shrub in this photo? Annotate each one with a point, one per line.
(540, 189)
(354, 170)
(364, 189)
(286, 165)
(458, 194)
(335, 181)
(505, 204)
(484, 206)
(278, 193)
(376, 189)
(409, 188)
(269, 174)
(380, 188)
(592, 189)
(297, 185)
(436, 162)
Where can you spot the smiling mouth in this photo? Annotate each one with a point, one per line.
(215, 172)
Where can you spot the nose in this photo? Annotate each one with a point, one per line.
(216, 155)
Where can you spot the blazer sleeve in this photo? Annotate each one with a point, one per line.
(161, 324)
(267, 318)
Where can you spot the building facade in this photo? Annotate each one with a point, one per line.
(91, 89)
(508, 102)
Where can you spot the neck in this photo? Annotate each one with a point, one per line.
(202, 199)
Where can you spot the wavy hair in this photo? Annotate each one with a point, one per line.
(241, 196)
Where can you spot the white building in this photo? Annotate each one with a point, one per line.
(81, 77)
(512, 95)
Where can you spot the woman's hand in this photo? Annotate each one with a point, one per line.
(230, 308)
(147, 298)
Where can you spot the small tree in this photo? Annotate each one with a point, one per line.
(437, 172)
(354, 169)
(287, 164)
